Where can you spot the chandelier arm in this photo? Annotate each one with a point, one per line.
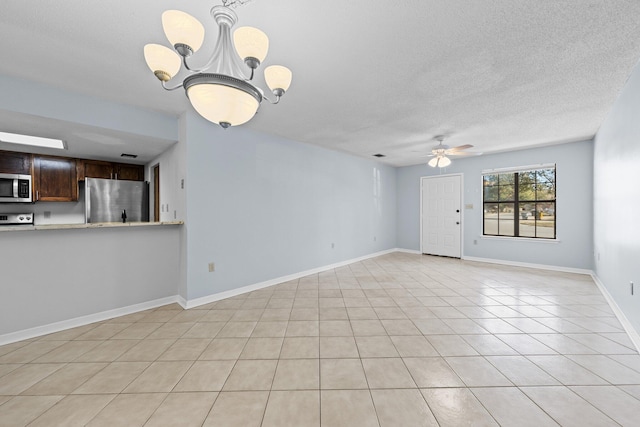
(214, 58)
(184, 62)
(164, 85)
(270, 101)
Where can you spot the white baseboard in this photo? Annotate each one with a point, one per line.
(109, 314)
(182, 301)
(529, 265)
(408, 251)
(256, 286)
(83, 320)
(628, 327)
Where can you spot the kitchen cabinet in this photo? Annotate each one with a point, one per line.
(55, 179)
(131, 172)
(11, 162)
(97, 169)
(108, 170)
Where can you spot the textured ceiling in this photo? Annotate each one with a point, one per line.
(369, 76)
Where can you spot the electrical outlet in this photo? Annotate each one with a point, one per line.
(175, 214)
(375, 238)
(212, 267)
(631, 283)
(47, 214)
(475, 242)
(182, 183)
(332, 245)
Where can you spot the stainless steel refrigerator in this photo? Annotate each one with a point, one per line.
(110, 200)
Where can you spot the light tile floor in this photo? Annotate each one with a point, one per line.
(399, 340)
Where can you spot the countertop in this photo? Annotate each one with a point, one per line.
(87, 226)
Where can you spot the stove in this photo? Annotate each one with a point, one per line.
(16, 219)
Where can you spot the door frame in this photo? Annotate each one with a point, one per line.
(155, 172)
(462, 220)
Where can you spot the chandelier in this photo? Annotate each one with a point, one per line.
(221, 91)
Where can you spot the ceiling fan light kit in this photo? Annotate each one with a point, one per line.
(440, 161)
(220, 91)
(441, 151)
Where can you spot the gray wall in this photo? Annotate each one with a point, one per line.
(262, 207)
(27, 97)
(56, 275)
(574, 206)
(617, 200)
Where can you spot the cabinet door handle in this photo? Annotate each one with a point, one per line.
(37, 195)
(116, 175)
(111, 175)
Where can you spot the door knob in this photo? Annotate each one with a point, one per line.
(458, 222)
(458, 210)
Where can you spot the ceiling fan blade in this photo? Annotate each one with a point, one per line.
(464, 153)
(459, 148)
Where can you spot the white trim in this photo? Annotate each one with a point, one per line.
(186, 304)
(256, 286)
(518, 168)
(83, 320)
(628, 327)
(182, 301)
(109, 314)
(408, 251)
(520, 239)
(529, 265)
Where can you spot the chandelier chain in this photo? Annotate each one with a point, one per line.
(234, 3)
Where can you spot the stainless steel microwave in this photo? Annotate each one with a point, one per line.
(15, 188)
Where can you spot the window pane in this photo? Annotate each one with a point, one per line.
(527, 191)
(527, 210)
(491, 218)
(490, 180)
(491, 226)
(545, 220)
(528, 177)
(546, 191)
(506, 192)
(491, 194)
(545, 176)
(545, 230)
(507, 178)
(505, 219)
(527, 228)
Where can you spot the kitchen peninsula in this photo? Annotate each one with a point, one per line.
(65, 272)
(85, 226)
(63, 276)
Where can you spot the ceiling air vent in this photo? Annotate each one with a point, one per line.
(379, 155)
(130, 156)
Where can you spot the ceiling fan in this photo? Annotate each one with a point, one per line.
(441, 153)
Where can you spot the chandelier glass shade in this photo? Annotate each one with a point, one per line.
(221, 91)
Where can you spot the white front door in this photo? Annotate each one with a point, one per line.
(441, 215)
